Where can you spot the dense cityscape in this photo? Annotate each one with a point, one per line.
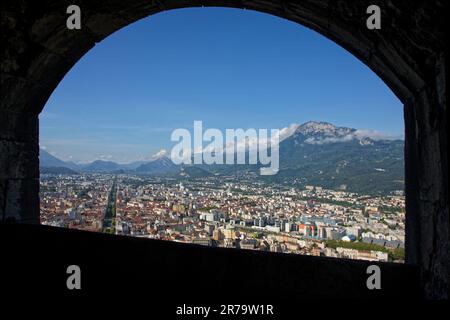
(226, 211)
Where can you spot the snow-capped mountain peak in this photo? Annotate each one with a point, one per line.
(323, 129)
(160, 154)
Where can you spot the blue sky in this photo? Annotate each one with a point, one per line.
(229, 68)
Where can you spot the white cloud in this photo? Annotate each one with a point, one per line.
(286, 132)
(104, 157)
(321, 141)
(356, 135)
(252, 143)
(376, 135)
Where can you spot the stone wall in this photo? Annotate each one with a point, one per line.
(130, 267)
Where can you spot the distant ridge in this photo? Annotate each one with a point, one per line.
(159, 165)
(48, 160)
(102, 166)
(57, 170)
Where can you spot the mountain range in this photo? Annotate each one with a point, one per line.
(314, 153)
(342, 158)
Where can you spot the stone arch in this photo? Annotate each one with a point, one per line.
(407, 54)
